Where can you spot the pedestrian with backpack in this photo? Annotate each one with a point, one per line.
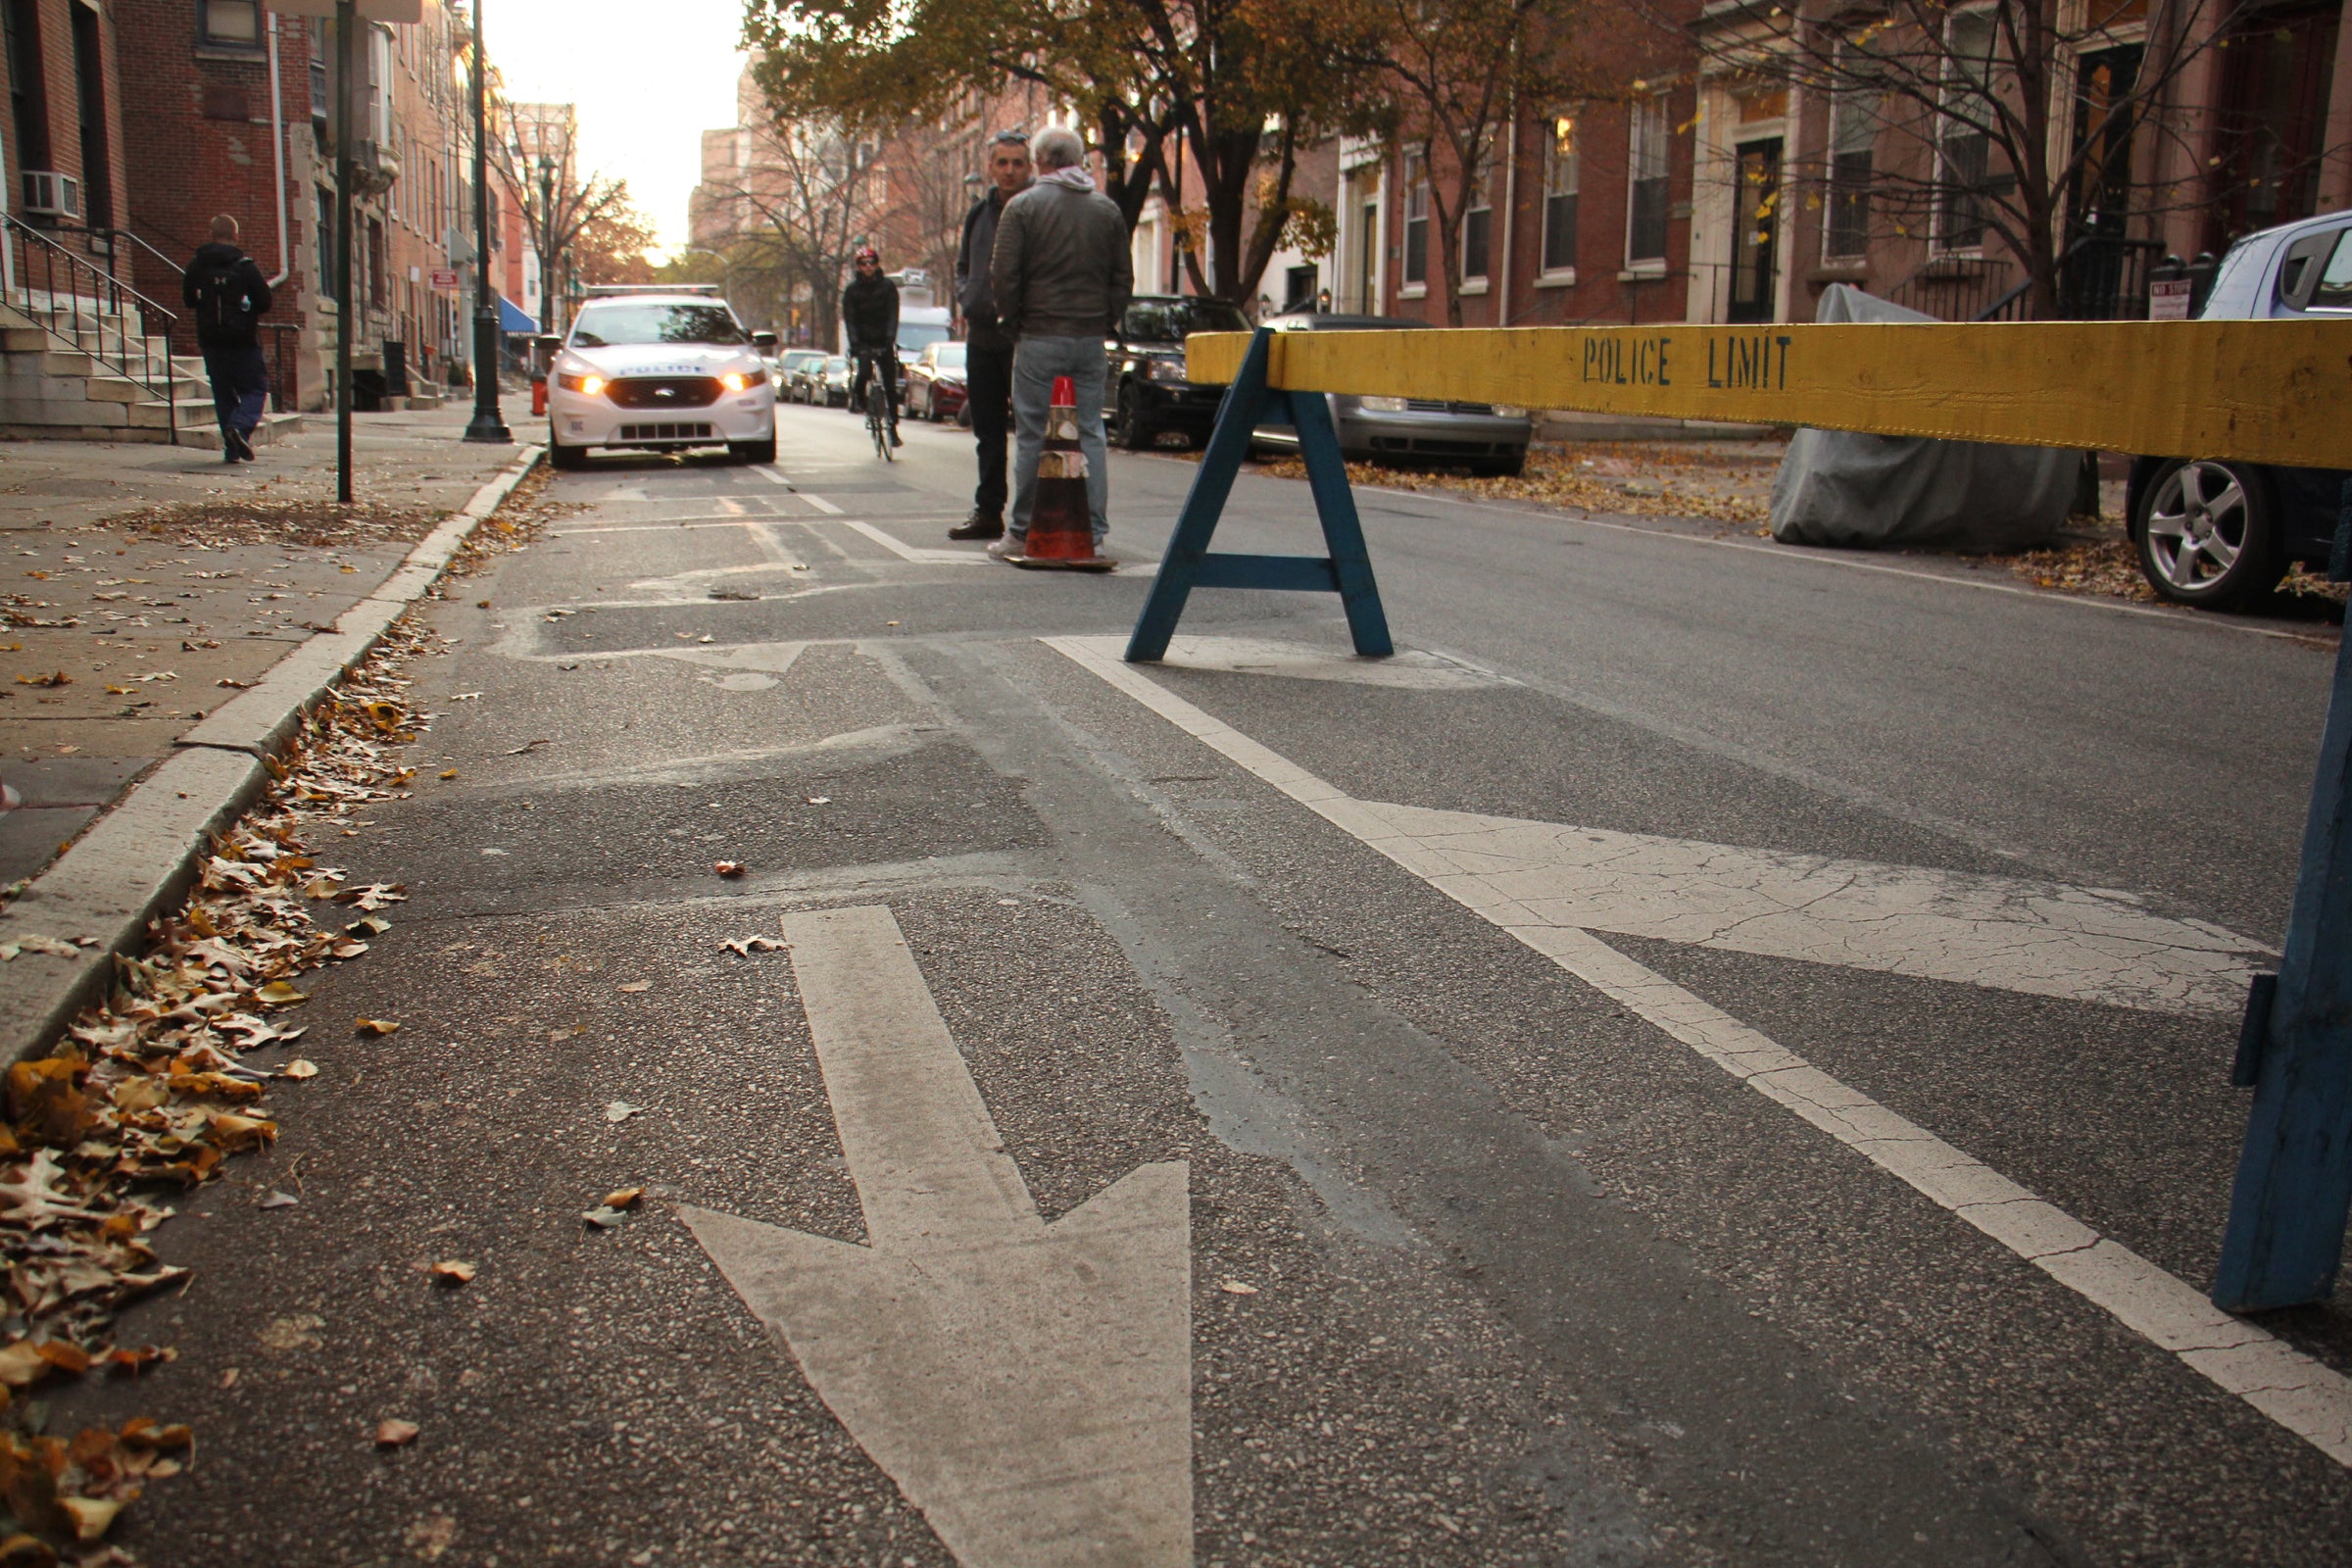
(225, 289)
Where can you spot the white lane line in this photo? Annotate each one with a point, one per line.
(822, 503)
(2306, 1398)
(2043, 939)
(907, 552)
(1407, 669)
(772, 475)
(1027, 1386)
(661, 527)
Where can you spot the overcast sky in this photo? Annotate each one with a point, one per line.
(649, 78)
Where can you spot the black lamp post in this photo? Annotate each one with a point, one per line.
(347, 68)
(489, 423)
(547, 250)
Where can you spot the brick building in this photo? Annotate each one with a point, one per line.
(65, 128)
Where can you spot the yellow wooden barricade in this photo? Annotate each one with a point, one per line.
(2262, 391)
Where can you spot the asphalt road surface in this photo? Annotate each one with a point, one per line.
(1712, 1056)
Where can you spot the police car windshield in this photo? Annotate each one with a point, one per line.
(610, 326)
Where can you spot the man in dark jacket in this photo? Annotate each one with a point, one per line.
(1062, 276)
(227, 293)
(987, 350)
(869, 316)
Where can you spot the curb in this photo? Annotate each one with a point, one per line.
(142, 855)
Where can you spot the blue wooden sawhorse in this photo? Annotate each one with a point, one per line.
(1189, 563)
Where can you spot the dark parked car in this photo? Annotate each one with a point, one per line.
(789, 367)
(807, 384)
(833, 383)
(2216, 533)
(935, 388)
(1145, 395)
(1490, 438)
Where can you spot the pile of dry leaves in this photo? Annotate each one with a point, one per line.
(148, 1095)
(1643, 480)
(281, 523)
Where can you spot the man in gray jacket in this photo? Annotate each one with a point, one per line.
(1062, 278)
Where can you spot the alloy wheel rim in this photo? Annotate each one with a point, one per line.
(2197, 526)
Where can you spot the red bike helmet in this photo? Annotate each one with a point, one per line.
(866, 253)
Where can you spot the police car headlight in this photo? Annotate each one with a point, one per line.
(738, 381)
(588, 386)
(1385, 405)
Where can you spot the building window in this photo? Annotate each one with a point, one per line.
(1853, 135)
(1417, 221)
(326, 230)
(2272, 120)
(29, 109)
(1561, 169)
(1478, 221)
(378, 286)
(1647, 166)
(230, 24)
(1963, 147)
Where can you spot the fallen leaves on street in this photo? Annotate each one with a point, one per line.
(1722, 481)
(153, 1093)
(254, 522)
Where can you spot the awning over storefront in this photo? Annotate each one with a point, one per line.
(511, 318)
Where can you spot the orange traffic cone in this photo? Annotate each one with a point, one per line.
(1061, 527)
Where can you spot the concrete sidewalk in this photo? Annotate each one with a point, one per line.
(141, 587)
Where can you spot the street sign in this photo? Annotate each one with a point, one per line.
(445, 277)
(2168, 299)
(1028, 1386)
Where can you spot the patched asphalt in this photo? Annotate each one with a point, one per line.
(1522, 1279)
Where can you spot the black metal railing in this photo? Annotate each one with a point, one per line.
(2101, 277)
(73, 299)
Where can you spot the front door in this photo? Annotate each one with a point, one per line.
(1755, 233)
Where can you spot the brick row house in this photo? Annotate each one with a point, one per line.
(1744, 169)
(1728, 166)
(162, 113)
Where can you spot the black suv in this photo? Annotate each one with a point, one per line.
(1146, 394)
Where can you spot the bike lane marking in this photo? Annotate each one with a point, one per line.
(2300, 1393)
(1027, 1386)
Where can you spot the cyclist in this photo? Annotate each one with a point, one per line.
(869, 314)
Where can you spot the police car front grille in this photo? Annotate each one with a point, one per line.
(1437, 406)
(664, 391)
(666, 432)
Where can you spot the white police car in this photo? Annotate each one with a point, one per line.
(661, 371)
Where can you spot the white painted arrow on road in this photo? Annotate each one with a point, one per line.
(1027, 1386)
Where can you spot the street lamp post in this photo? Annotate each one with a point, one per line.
(347, 67)
(489, 425)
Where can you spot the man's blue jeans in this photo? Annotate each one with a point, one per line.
(1036, 361)
(240, 378)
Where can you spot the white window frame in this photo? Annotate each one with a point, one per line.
(1415, 210)
(1940, 220)
(1845, 103)
(1656, 149)
(1563, 174)
(1480, 198)
(206, 39)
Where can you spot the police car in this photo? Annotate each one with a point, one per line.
(661, 369)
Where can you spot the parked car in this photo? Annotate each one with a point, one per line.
(2216, 533)
(1490, 438)
(833, 385)
(789, 367)
(1147, 395)
(807, 384)
(935, 385)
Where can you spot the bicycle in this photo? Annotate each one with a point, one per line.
(877, 403)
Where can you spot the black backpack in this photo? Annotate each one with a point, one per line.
(223, 305)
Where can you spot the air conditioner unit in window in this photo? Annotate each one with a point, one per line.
(50, 194)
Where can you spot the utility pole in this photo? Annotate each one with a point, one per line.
(347, 33)
(489, 425)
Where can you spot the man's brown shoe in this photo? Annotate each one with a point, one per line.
(977, 527)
